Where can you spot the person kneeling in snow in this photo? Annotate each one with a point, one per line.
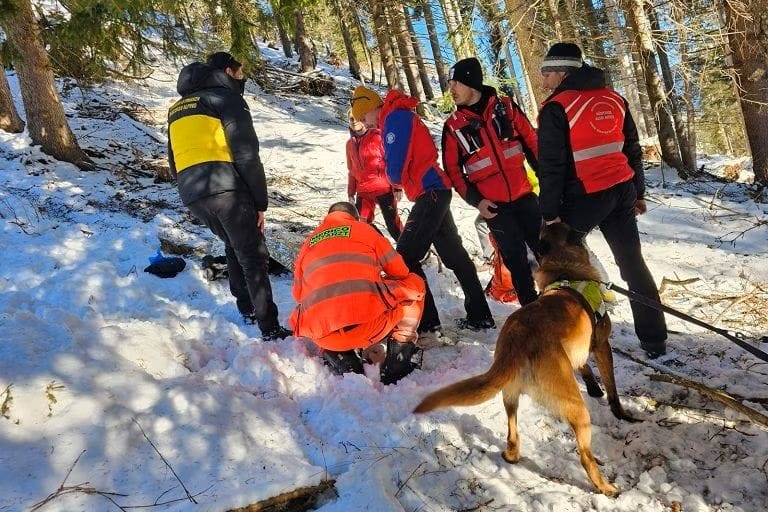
(352, 291)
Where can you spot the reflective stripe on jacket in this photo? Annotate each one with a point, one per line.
(596, 122)
(338, 277)
(487, 151)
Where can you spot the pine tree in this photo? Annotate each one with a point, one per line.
(9, 118)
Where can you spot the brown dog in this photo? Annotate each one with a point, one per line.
(539, 347)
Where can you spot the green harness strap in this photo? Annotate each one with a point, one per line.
(589, 290)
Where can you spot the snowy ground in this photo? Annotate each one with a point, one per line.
(93, 347)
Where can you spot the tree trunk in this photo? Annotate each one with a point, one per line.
(242, 47)
(285, 40)
(645, 100)
(531, 49)
(9, 117)
(363, 37)
(458, 33)
(416, 45)
(628, 84)
(670, 152)
(596, 40)
(678, 15)
(354, 65)
(672, 96)
(747, 24)
(306, 55)
(403, 37)
(386, 52)
(434, 43)
(46, 122)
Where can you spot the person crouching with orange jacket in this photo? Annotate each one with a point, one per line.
(352, 291)
(367, 183)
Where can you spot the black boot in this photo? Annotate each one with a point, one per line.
(402, 359)
(343, 362)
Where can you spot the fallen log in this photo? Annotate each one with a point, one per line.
(298, 500)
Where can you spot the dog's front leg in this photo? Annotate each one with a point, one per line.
(593, 388)
(511, 396)
(601, 349)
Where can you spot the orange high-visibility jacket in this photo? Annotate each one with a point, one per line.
(338, 277)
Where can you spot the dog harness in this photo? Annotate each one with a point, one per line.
(588, 292)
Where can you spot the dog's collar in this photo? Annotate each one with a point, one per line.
(587, 290)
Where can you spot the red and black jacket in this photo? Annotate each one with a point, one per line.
(365, 162)
(588, 141)
(484, 149)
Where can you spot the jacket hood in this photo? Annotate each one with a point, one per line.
(396, 100)
(198, 76)
(586, 77)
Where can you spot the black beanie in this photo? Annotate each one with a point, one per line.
(222, 61)
(562, 57)
(469, 72)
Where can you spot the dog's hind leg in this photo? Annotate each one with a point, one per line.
(511, 396)
(593, 388)
(565, 400)
(601, 349)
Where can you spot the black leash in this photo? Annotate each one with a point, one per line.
(736, 337)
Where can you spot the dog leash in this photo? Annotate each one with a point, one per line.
(736, 337)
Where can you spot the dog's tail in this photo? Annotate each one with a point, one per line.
(472, 391)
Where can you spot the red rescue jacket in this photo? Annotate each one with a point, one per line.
(365, 162)
(484, 155)
(596, 120)
(338, 277)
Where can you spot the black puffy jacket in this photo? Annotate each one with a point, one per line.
(212, 146)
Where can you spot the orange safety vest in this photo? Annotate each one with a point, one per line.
(338, 277)
(596, 119)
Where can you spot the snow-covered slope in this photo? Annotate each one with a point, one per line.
(91, 348)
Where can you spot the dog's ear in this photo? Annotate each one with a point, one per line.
(574, 237)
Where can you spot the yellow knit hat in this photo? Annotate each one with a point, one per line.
(363, 101)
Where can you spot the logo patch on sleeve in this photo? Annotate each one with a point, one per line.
(390, 137)
(337, 232)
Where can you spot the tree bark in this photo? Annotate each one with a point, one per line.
(354, 64)
(596, 40)
(306, 55)
(416, 45)
(285, 39)
(403, 38)
(46, 122)
(9, 117)
(678, 15)
(671, 93)
(363, 37)
(670, 151)
(458, 33)
(434, 43)
(386, 52)
(747, 24)
(629, 84)
(530, 46)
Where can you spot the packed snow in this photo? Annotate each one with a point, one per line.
(103, 367)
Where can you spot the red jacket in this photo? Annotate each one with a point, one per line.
(337, 277)
(484, 154)
(365, 161)
(596, 121)
(409, 151)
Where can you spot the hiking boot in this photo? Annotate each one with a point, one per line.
(402, 359)
(276, 333)
(343, 362)
(429, 328)
(476, 325)
(654, 349)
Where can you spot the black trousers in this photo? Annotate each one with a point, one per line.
(613, 210)
(430, 222)
(516, 224)
(232, 217)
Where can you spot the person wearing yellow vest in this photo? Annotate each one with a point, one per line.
(591, 173)
(353, 290)
(213, 153)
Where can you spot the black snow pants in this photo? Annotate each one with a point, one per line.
(430, 222)
(516, 224)
(613, 210)
(232, 216)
